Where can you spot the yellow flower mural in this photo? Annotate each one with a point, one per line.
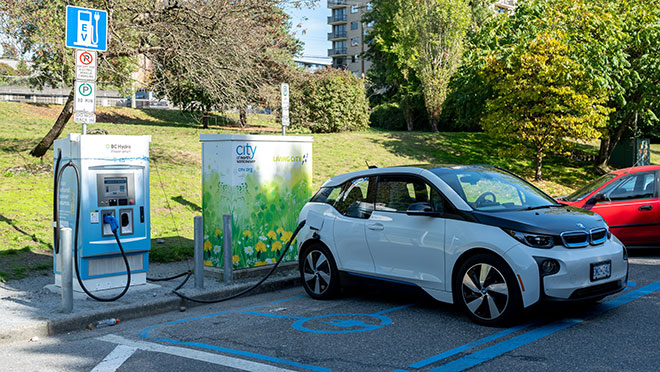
(261, 263)
(235, 259)
(280, 230)
(260, 247)
(218, 232)
(208, 263)
(276, 247)
(207, 246)
(271, 234)
(286, 236)
(247, 233)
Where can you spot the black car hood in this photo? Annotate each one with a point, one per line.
(547, 221)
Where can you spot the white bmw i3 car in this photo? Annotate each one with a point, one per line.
(476, 236)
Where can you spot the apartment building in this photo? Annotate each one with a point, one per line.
(348, 34)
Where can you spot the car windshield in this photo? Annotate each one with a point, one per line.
(585, 190)
(490, 189)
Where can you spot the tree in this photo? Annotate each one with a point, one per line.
(215, 46)
(541, 97)
(637, 97)
(429, 41)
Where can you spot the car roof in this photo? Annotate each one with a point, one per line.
(643, 168)
(403, 169)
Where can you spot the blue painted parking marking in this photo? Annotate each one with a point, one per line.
(355, 325)
(470, 345)
(349, 325)
(361, 322)
(503, 347)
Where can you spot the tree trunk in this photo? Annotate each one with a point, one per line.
(607, 145)
(409, 119)
(242, 112)
(539, 165)
(205, 120)
(42, 147)
(434, 122)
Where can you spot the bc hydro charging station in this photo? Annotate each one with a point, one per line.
(112, 179)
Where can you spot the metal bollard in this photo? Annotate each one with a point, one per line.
(67, 269)
(227, 248)
(199, 252)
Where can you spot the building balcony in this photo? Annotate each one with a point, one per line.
(337, 52)
(341, 66)
(336, 3)
(336, 35)
(339, 18)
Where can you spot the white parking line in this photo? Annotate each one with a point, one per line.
(115, 359)
(217, 359)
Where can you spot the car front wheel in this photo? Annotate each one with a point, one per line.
(319, 273)
(486, 289)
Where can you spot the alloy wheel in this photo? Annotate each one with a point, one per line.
(317, 272)
(485, 291)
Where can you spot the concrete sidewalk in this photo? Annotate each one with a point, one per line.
(29, 309)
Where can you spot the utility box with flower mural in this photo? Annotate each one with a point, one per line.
(263, 182)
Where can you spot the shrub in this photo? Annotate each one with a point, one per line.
(329, 101)
(388, 116)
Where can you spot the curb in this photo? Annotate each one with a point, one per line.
(75, 323)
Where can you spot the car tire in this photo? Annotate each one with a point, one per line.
(486, 289)
(318, 272)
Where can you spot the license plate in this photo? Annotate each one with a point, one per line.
(601, 270)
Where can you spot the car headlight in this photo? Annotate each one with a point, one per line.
(532, 240)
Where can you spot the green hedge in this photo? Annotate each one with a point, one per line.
(329, 101)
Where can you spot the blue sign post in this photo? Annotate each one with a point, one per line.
(86, 28)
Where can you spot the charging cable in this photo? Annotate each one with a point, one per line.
(241, 293)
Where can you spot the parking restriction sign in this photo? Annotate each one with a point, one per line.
(85, 65)
(84, 96)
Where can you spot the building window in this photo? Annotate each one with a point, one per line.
(353, 59)
(355, 8)
(355, 42)
(354, 25)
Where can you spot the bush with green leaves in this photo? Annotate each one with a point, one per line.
(388, 116)
(329, 101)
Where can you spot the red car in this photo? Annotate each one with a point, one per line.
(628, 201)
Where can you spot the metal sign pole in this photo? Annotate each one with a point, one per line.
(285, 107)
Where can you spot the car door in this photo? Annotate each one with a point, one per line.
(354, 207)
(404, 247)
(632, 209)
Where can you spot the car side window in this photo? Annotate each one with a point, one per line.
(353, 201)
(327, 195)
(635, 186)
(397, 193)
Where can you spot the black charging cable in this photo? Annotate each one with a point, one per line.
(241, 293)
(115, 226)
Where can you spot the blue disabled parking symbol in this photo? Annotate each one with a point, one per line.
(342, 323)
(86, 28)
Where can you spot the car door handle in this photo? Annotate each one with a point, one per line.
(646, 207)
(376, 226)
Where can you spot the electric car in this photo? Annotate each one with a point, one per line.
(475, 235)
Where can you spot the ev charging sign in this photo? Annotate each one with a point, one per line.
(86, 28)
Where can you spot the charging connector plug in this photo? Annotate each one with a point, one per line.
(110, 220)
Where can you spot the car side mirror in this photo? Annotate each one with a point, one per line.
(600, 197)
(421, 209)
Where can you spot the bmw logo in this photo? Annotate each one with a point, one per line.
(580, 225)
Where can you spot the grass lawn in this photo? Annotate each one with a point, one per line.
(26, 188)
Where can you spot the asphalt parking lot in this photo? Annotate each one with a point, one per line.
(371, 328)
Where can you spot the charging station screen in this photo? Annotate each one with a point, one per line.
(115, 187)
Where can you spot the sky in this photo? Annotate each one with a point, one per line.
(313, 30)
